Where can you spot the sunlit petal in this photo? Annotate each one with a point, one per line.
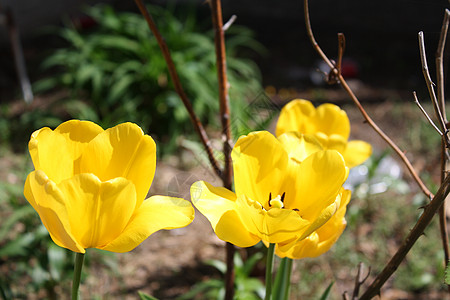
(212, 201)
(230, 228)
(294, 116)
(322, 239)
(356, 153)
(98, 211)
(320, 177)
(259, 164)
(299, 146)
(50, 204)
(55, 152)
(330, 119)
(155, 213)
(122, 151)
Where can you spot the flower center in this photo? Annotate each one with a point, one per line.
(277, 202)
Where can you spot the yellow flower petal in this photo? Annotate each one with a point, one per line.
(259, 164)
(299, 146)
(98, 211)
(319, 179)
(55, 152)
(322, 239)
(230, 228)
(49, 202)
(122, 151)
(356, 153)
(330, 119)
(294, 116)
(212, 201)
(274, 226)
(218, 205)
(155, 213)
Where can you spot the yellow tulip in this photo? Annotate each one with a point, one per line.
(328, 123)
(89, 187)
(286, 189)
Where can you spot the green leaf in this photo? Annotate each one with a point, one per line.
(144, 296)
(447, 274)
(283, 280)
(326, 293)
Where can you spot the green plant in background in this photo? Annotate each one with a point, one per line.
(116, 72)
(246, 287)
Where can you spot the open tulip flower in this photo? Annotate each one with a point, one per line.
(89, 187)
(286, 189)
(328, 123)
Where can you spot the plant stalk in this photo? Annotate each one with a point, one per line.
(269, 267)
(79, 259)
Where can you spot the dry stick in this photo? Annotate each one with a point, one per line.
(416, 100)
(219, 41)
(440, 65)
(178, 88)
(425, 219)
(430, 83)
(359, 280)
(361, 109)
(441, 101)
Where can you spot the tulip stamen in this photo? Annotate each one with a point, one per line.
(276, 202)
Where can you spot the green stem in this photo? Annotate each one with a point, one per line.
(283, 280)
(79, 258)
(269, 266)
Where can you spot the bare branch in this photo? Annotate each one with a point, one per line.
(178, 88)
(440, 63)
(430, 83)
(418, 229)
(229, 23)
(359, 280)
(426, 115)
(227, 176)
(344, 84)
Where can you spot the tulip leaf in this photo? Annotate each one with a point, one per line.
(283, 280)
(327, 291)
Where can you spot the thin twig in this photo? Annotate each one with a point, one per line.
(359, 280)
(426, 114)
(430, 83)
(229, 23)
(178, 87)
(441, 100)
(440, 63)
(424, 220)
(341, 49)
(361, 109)
(227, 176)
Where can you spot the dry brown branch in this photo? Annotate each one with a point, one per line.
(416, 100)
(440, 63)
(344, 84)
(178, 87)
(359, 280)
(444, 150)
(227, 176)
(418, 229)
(429, 82)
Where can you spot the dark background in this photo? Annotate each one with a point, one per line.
(381, 36)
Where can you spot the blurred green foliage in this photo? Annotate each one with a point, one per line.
(246, 287)
(115, 72)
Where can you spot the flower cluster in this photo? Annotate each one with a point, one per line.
(288, 189)
(89, 185)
